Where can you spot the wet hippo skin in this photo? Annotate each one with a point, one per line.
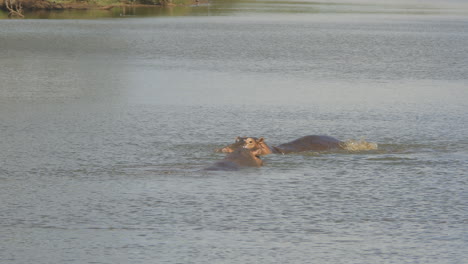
(308, 143)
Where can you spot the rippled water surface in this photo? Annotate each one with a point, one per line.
(106, 126)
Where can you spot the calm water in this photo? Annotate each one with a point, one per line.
(107, 124)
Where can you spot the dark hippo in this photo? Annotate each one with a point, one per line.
(246, 155)
(307, 143)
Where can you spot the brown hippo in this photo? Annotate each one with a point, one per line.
(307, 143)
(246, 155)
(249, 142)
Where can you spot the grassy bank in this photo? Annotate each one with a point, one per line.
(16, 8)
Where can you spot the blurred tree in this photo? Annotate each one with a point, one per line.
(14, 7)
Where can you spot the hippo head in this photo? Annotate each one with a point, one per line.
(255, 144)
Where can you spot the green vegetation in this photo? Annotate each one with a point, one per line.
(16, 8)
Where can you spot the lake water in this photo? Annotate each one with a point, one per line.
(106, 126)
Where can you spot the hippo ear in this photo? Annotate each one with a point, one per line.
(237, 139)
(260, 140)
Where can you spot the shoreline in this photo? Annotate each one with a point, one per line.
(87, 6)
(31, 5)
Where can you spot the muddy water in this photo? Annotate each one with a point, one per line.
(106, 126)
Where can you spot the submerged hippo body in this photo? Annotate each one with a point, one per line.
(307, 143)
(246, 155)
(237, 159)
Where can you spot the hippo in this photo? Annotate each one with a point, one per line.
(306, 143)
(249, 142)
(247, 155)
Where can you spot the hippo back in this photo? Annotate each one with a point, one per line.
(309, 143)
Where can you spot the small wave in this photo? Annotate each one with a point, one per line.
(359, 145)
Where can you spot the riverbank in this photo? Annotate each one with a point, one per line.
(16, 8)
